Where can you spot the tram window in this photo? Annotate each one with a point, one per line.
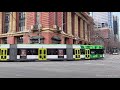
(29, 51)
(55, 51)
(44, 56)
(82, 51)
(52, 51)
(5, 52)
(97, 51)
(73, 51)
(1, 52)
(35, 51)
(92, 51)
(18, 51)
(40, 51)
(32, 51)
(101, 51)
(44, 51)
(64, 51)
(76, 51)
(40, 56)
(8, 52)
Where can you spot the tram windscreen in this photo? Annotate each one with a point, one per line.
(96, 51)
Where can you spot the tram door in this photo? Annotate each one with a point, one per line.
(3, 54)
(42, 54)
(77, 54)
(87, 53)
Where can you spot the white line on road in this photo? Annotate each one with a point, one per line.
(19, 75)
(94, 64)
(107, 75)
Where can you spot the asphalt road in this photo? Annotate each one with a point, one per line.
(109, 67)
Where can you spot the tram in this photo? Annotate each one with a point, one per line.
(115, 51)
(48, 52)
(92, 51)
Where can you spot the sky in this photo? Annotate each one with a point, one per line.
(116, 13)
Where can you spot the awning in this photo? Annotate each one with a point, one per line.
(56, 38)
(37, 37)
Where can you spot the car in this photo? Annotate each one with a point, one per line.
(115, 53)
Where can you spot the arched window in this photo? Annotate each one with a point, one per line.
(56, 40)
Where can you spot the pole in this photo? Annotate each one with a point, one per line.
(38, 23)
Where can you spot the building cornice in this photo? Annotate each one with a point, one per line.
(85, 17)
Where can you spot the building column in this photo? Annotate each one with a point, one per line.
(26, 22)
(11, 23)
(69, 26)
(47, 36)
(88, 32)
(62, 39)
(1, 22)
(86, 38)
(14, 22)
(70, 41)
(10, 40)
(76, 25)
(81, 28)
(12, 28)
(26, 39)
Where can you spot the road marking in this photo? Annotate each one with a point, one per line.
(100, 64)
(101, 75)
(19, 75)
(93, 64)
(87, 63)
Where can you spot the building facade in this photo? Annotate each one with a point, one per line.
(45, 27)
(101, 37)
(116, 28)
(103, 19)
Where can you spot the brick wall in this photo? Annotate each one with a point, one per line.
(45, 19)
(60, 20)
(51, 19)
(30, 19)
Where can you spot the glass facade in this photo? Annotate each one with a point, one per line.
(103, 19)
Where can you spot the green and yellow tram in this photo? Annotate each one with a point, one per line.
(45, 52)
